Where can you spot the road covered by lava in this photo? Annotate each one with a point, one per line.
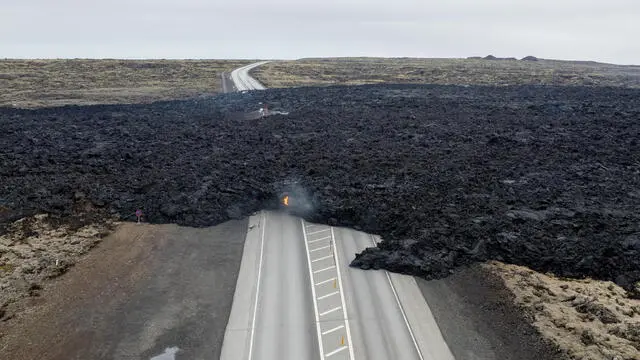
(547, 177)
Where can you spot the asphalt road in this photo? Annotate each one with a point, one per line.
(297, 298)
(243, 81)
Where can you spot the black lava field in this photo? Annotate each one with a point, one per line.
(547, 177)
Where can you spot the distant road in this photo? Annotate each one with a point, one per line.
(297, 298)
(243, 81)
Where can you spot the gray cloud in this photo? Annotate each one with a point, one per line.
(286, 29)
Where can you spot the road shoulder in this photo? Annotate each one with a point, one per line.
(585, 318)
(237, 334)
(426, 331)
(144, 290)
(479, 320)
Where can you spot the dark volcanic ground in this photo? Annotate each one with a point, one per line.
(547, 177)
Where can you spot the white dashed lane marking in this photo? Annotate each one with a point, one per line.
(333, 330)
(325, 269)
(328, 295)
(318, 240)
(331, 310)
(325, 281)
(318, 232)
(332, 324)
(320, 248)
(336, 351)
(322, 258)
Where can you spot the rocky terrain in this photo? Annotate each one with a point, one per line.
(488, 70)
(547, 177)
(38, 248)
(47, 82)
(588, 320)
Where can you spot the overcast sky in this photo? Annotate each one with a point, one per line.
(600, 30)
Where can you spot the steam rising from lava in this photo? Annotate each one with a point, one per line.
(296, 199)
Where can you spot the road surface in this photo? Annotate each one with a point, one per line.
(297, 298)
(241, 79)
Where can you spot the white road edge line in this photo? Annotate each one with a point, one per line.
(344, 306)
(321, 248)
(313, 293)
(332, 330)
(325, 269)
(255, 306)
(322, 258)
(335, 351)
(404, 316)
(331, 310)
(324, 282)
(328, 295)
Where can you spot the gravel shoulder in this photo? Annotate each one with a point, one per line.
(479, 320)
(145, 290)
(496, 311)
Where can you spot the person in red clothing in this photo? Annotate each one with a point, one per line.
(139, 215)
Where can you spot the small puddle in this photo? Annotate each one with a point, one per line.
(169, 354)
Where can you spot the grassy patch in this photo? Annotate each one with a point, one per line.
(354, 71)
(37, 83)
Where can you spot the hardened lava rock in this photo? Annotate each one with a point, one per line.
(547, 177)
